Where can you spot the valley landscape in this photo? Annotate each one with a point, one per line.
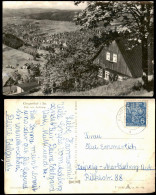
(46, 53)
(31, 22)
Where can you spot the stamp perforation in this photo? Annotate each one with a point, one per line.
(132, 100)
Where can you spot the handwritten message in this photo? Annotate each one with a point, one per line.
(42, 139)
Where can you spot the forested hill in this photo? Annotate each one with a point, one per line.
(41, 14)
(55, 15)
(12, 41)
(23, 12)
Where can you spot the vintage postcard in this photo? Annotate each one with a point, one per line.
(79, 146)
(78, 48)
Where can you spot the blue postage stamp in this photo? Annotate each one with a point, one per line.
(136, 114)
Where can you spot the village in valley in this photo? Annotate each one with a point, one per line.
(46, 53)
(27, 56)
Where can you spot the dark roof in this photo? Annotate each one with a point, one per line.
(28, 86)
(96, 55)
(133, 58)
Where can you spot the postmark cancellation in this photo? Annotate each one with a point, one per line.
(132, 118)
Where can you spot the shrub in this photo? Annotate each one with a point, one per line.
(137, 86)
(46, 89)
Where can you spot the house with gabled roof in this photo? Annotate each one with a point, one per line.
(25, 87)
(117, 62)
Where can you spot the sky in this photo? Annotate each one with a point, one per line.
(42, 4)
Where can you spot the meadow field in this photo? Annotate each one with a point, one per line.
(13, 57)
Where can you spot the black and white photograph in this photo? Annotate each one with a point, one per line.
(78, 48)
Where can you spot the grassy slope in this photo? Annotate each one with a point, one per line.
(113, 89)
(13, 57)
